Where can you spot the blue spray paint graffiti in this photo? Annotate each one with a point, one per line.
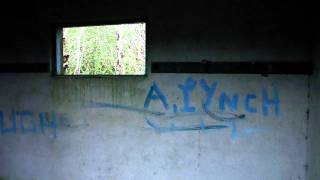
(24, 116)
(188, 128)
(232, 103)
(266, 102)
(92, 104)
(186, 88)
(229, 119)
(29, 123)
(12, 122)
(247, 100)
(224, 100)
(209, 91)
(158, 96)
(45, 122)
(226, 116)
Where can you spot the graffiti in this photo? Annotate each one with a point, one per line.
(225, 100)
(158, 96)
(247, 100)
(226, 116)
(266, 102)
(186, 88)
(232, 103)
(28, 122)
(201, 126)
(92, 104)
(209, 91)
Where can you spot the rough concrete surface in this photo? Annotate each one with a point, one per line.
(165, 126)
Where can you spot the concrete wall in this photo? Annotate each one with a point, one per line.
(191, 127)
(314, 123)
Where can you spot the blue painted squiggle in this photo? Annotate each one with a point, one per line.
(172, 128)
(123, 107)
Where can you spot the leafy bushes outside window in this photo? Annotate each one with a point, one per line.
(103, 50)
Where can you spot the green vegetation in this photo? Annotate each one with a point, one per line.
(104, 50)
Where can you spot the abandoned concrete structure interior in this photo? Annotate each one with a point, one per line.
(219, 90)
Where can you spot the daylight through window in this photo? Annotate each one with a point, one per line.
(103, 50)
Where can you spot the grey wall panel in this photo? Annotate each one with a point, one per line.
(160, 127)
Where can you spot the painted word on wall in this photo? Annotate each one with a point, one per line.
(268, 99)
(25, 122)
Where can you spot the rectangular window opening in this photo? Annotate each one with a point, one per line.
(108, 49)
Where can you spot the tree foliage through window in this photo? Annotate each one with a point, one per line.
(104, 50)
